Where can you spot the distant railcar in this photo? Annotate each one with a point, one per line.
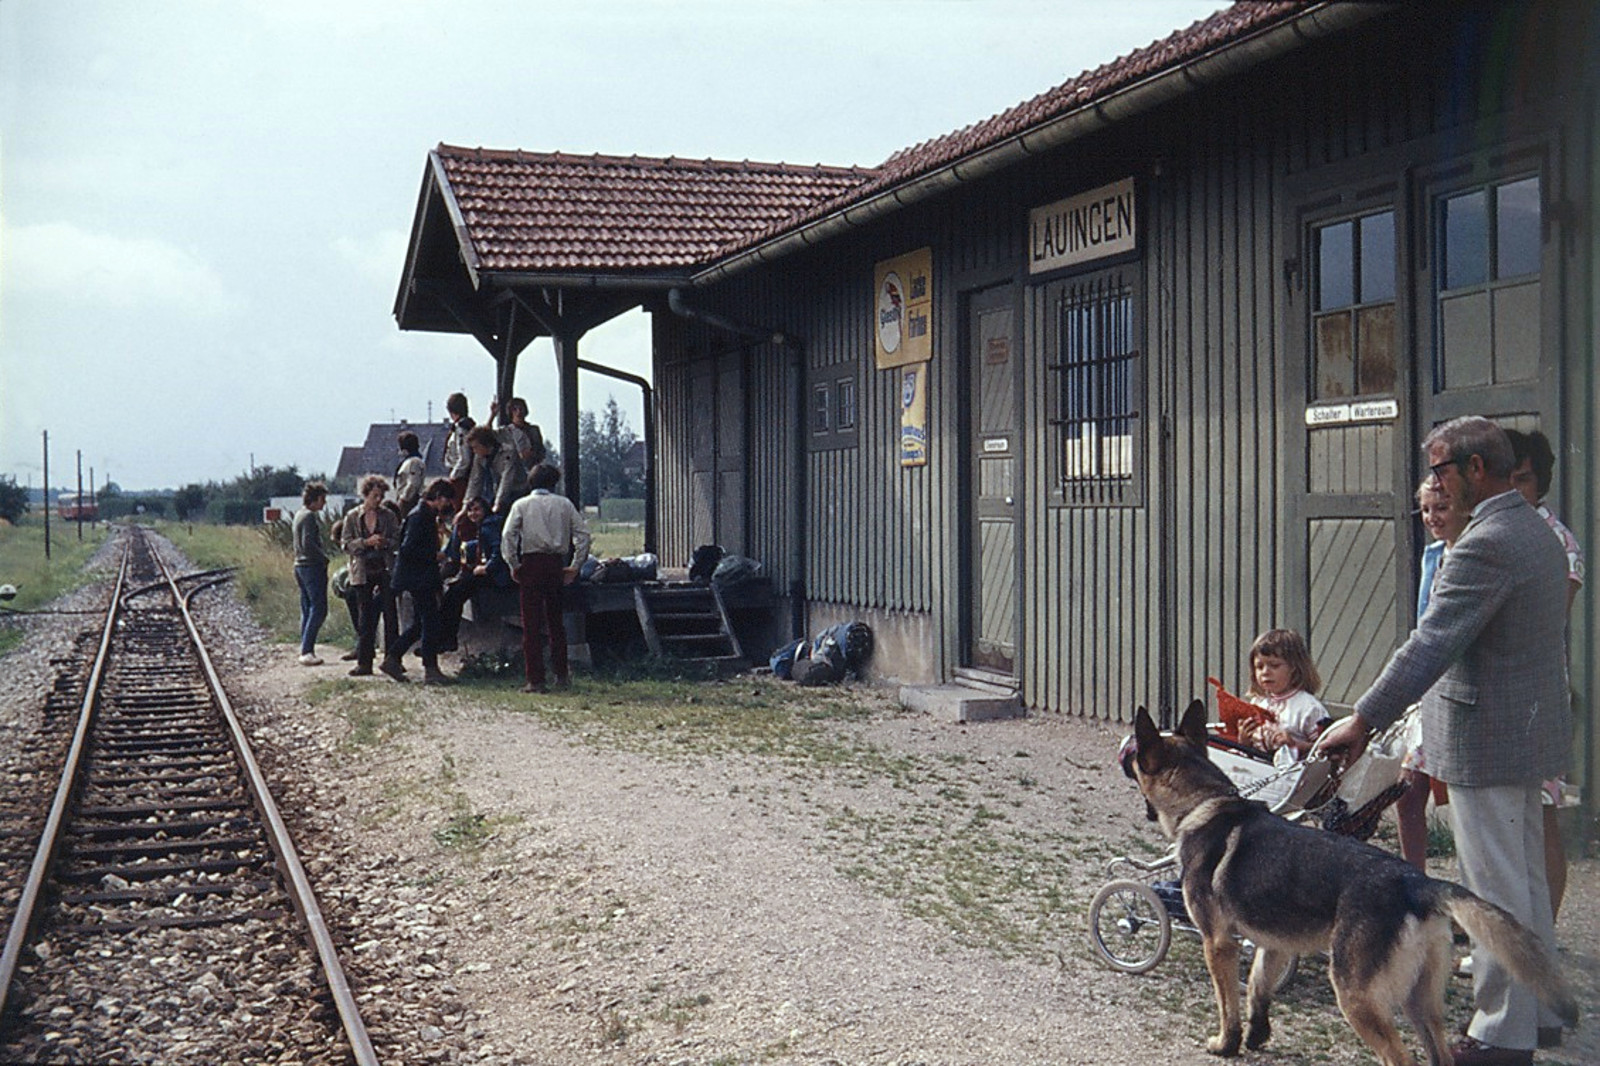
(71, 508)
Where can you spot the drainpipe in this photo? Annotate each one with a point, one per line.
(649, 443)
(727, 325)
(759, 335)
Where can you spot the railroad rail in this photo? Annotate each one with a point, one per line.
(166, 910)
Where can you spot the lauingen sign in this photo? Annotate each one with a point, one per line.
(1080, 229)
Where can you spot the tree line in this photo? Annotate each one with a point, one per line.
(605, 448)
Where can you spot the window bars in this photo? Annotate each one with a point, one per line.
(1096, 391)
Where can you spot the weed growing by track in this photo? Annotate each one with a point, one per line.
(265, 576)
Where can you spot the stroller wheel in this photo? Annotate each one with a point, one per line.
(1129, 926)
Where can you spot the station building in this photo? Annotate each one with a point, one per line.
(1080, 398)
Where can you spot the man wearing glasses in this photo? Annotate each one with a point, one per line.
(1488, 662)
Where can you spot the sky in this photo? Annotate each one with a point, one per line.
(204, 206)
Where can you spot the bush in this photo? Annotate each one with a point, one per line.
(13, 500)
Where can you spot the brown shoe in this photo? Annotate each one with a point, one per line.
(1470, 1052)
(349, 657)
(361, 671)
(434, 676)
(393, 668)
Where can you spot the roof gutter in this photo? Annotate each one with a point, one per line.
(526, 279)
(1321, 21)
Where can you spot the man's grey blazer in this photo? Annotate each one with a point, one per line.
(1488, 657)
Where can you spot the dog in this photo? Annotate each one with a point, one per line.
(1293, 890)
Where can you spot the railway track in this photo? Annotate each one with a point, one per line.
(165, 916)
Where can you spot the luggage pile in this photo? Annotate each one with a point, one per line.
(836, 652)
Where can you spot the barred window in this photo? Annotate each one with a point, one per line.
(1096, 389)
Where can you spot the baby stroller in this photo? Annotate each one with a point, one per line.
(1132, 917)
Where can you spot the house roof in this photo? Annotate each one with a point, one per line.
(550, 211)
(349, 461)
(379, 454)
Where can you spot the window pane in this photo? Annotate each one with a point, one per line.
(821, 413)
(1377, 258)
(1335, 266)
(1465, 340)
(1517, 228)
(1375, 349)
(1335, 356)
(1516, 332)
(845, 416)
(1466, 239)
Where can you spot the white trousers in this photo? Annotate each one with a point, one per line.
(1500, 841)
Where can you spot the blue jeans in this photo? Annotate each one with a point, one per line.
(313, 582)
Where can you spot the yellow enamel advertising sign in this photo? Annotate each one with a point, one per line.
(902, 311)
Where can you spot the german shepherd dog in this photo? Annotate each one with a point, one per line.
(1293, 890)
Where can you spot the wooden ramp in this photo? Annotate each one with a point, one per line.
(688, 621)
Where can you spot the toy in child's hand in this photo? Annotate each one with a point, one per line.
(1241, 719)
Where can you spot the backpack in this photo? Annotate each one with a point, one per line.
(824, 666)
(784, 659)
(703, 563)
(735, 570)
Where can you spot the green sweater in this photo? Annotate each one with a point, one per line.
(308, 539)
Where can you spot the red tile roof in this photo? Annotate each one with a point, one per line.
(1177, 49)
(561, 213)
(530, 211)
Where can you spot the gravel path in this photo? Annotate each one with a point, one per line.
(524, 884)
(646, 905)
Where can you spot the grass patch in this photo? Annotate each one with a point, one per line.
(614, 539)
(265, 576)
(993, 887)
(376, 713)
(464, 830)
(40, 580)
(680, 717)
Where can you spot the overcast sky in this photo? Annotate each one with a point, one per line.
(204, 205)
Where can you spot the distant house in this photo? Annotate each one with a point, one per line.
(381, 455)
(349, 461)
(284, 508)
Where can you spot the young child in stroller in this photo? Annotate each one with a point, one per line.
(1283, 683)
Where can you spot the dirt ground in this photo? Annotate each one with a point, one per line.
(888, 889)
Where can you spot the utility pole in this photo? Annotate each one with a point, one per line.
(80, 494)
(47, 494)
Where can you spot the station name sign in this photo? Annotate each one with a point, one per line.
(1081, 229)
